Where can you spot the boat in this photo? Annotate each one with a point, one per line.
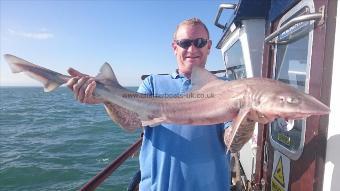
(293, 41)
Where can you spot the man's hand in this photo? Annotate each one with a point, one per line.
(83, 87)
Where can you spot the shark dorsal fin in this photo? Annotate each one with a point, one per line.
(106, 73)
(200, 77)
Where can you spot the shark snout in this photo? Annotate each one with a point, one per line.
(313, 106)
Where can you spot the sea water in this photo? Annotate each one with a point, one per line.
(49, 141)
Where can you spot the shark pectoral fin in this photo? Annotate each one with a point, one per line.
(230, 133)
(153, 122)
(125, 118)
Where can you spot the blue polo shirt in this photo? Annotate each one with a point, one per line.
(181, 157)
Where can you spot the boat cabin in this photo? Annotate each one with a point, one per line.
(294, 42)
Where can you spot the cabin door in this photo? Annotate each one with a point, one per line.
(293, 152)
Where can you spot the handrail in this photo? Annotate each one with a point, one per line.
(220, 9)
(299, 19)
(101, 176)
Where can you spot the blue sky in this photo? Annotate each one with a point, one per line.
(133, 36)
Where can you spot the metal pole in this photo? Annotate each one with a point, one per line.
(101, 176)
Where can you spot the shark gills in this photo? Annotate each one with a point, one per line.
(211, 101)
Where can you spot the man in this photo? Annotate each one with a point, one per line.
(176, 157)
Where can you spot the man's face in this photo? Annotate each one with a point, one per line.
(186, 58)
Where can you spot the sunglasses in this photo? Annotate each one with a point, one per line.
(186, 43)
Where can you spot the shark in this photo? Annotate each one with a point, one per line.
(211, 101)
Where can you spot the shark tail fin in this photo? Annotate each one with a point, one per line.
(16, 64)
(14, 67)
(50, 79)
(52, 85)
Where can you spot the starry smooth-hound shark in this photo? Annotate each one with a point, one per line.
(211, 101)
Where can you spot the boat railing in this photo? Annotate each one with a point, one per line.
(213, 72)
(108, 170)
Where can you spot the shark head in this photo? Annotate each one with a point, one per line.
(289, 103)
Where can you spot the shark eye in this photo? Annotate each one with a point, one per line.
(282, 99)
(292, 100)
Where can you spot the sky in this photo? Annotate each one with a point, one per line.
(133, 36)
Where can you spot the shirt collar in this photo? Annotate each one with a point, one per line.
(176, 75)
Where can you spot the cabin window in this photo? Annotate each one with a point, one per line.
(233, 59)
(291, 66)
